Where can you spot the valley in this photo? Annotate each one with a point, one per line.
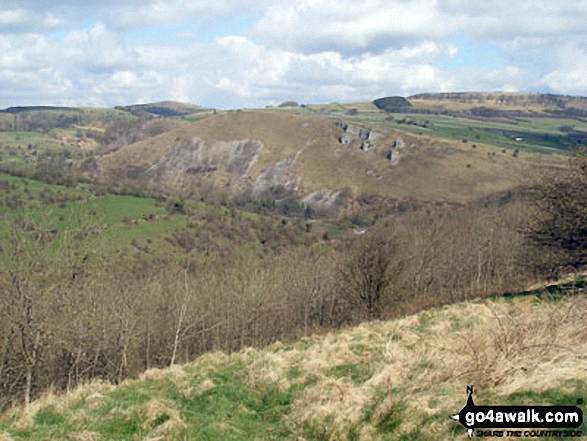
(310, 271)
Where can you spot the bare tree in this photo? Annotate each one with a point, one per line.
(370, 273)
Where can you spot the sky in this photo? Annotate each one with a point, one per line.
(240, 54)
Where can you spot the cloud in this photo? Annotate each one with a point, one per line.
(347, 26)
(125, 80)
(130, 14)
(20, 88)
(226, 53)
(505, 19)
(22, 20)
(351, 27)
(18, 53)
(98, 49)
(568, 76)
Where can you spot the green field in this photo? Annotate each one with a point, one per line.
(539, 134)
(132, 225)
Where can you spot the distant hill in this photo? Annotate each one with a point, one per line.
(20, 109)
(164, 108)
(500, 104)
(392, 103)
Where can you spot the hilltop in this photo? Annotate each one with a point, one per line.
(398, 379)
(164, 108)
(495, 104)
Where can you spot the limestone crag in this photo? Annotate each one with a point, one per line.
(194, 156)
(351, 133)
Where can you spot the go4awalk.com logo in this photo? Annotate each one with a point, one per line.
(520, 421)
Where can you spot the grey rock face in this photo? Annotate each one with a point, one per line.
(399, 143)
(321, 199)
(194, 156)
(369, 138)
(278, 179)
(367, 146)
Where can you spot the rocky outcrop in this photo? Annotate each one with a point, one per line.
(399, 143)
(194, 156)
(278, 179)
(369, 138)
(393, 154)
(323, 198)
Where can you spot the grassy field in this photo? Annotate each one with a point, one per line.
(152, 229)
(400, 379)
(539, 134)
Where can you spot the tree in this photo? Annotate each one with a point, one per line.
(560, 226)
(39, 268)
(369, 274)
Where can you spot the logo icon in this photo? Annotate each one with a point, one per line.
(518, 417)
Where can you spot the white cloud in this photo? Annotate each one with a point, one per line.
(351, 27)
(19, 53)
(98, 49)
(25, 86)
(569, 74)
(347, 26)
(22, 20)
(505, 19)
(121, 82)
(309, 50)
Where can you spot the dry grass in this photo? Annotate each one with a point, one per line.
(429, 170)
(498, 346)
(333, 407)
(352, 383)
(86, 435)
(155, 409)
(93, 393)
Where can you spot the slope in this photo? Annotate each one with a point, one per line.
(400, 379)
(314, 158)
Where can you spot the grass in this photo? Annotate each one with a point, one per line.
(117, 225)
(435, 165)
(539, 133)
(359, 383)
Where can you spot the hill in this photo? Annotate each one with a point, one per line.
(164, 108)
(278, 153)
(399, 379)
(501, 104)
(529, 122)
(431, 148)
